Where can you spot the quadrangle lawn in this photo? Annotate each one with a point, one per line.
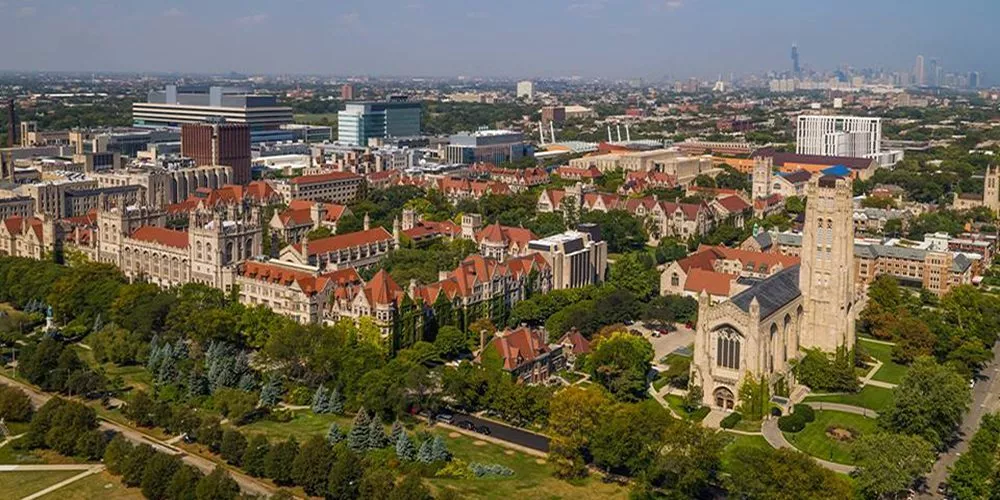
(741, 440)
(102, 485)
(891, 371)
(814, 441)
(871, 397)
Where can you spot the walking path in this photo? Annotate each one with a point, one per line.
(776, 439)
(663, 402)
(857, 410)
(91, 469)
(879, 383)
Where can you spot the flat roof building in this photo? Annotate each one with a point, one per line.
(488, 146)
(364, 120)
(175, 106)
(577, 259)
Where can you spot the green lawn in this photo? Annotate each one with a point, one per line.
(741, 440)
(304, 424)
(571, 377)
(23, 483)
(891, 371)
(134, 376)
(677, 404)
(532, 475)
(814, 441)
(871, 397)
(102, 485)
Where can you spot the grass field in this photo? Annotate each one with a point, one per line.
(677, 404)
(305, 424)
(532, 476)
(891, 371)
(871, 397)
(102, 485)
(23, 483)
(814, 441)
(135, 376)
(740, 440)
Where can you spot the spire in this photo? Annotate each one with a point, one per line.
(368, 222)
(395, 231)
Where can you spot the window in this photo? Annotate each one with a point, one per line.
(675, 280)
(728, 349)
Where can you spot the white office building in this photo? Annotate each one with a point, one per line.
(526, 89)
(829, 135)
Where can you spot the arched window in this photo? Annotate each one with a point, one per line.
(675, 280)
(727, 353)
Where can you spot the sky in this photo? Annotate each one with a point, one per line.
(504, 38)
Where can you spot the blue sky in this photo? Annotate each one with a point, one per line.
(521, 38)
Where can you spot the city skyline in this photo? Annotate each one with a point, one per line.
(588, 38)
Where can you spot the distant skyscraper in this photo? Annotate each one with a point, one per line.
(219, 144)
(364, 120)
(12, 127)
(347, 92)
(973, 79)
(918, 71)
(526, 89)
(828, 135)
(795, 59)
(933, 73)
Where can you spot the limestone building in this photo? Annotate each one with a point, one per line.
(756, 333)
(990, 197)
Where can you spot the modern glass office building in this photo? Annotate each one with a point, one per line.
(364, 120)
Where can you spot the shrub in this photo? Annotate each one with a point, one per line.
(731, 420)
(791, 423)
(15, 406)
(806, 412)
(487, 470)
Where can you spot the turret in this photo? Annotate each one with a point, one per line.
(395, 231)
(367, 222)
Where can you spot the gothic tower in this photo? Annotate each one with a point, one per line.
(762, 167)
(826, 276)
(991, 189)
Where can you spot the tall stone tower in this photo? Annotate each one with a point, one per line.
(762, 168)
(991, 189)
(826, 278)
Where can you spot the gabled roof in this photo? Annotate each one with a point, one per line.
(16, 225)
(382, 289)
(161, 235)
(577, 342)
(344, 241)
(496, 233)
(711, 282)
(519, 347)
(796, 177)
(733, 204)
(772, 293)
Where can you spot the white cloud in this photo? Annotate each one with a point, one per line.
(252, 20)
(674, 4)
(26, 11)
(173, 12)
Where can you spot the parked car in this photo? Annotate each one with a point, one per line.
(465, 424)
(444, 417)
(484, 430)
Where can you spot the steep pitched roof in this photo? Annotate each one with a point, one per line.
(699, 280)
(382, 289)
(772, 293)
(496, 233)
(579, 344)
(519, 346)
(733, 204)
(342, 241)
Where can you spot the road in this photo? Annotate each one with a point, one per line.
(507, 433)
(247, 483)
(984, 400)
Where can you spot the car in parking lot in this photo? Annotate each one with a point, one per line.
(484, 430)
(444, 417)
(465, 424)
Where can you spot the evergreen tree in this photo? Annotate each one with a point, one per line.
(336, 400)
(279, 459)
(153, 361)
(426, 453)
(320, 402)
(404, 448)
(397, 429)
(234, 445)
(357, 439)
(197, 384)
(217, 486)
(376, 435)
(312, 466)
(335, 435)
(439, 451)
(270, 394)
(247, 382)
(168, 370)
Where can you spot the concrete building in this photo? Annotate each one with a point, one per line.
(16, 206)
(525, 90)
(488, 146)
(989, 198)
(576, 259)
(219, 144)
(364, 120)
(836, 135)
(175, 106)
(555, 114)
(347, 92)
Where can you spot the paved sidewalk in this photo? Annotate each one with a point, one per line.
(776, 439)
(663, 402)
(46, 467)
(93, 469)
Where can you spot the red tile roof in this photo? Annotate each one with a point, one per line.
(579, 344)
(161, 235)
(343, 241)
(714, 283)
(308, 282)
(495, 233)
(519, 347)
(16, 224)
(734, 204)
(382, 289)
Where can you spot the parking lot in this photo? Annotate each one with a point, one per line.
(666, 344)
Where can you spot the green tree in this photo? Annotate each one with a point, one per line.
(184, 483)
(634, 272)
(377, 483)
(279, 459)
(133, 465)
(312, 466)
(15, 405)
(234, 445)
(975, 474)
(688, 463)
(217, 486)
(620, 363)
(889, 464)
(765, 473)
(575, 413)
(629, 441)
(411, 488)
(450, 342)
(345, 474)
(116, 452)
(255, 454)
(930, 403)
(156, 477)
